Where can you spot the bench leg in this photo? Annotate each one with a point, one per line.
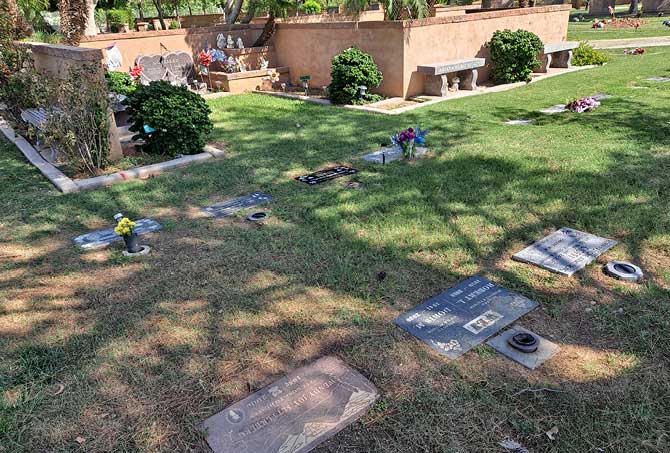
(436, 85)
(545, 62)
(563, 59)
(469, 79)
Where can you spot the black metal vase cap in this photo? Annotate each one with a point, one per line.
(524, 342)
(258, 216)
(623, 270)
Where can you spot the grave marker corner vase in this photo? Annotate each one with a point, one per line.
(132, 243)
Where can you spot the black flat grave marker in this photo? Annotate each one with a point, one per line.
(103, 238)
(565, 251)
(230, 207)
(545, 349)
(462, 317)
(295, 413)
(327, 174)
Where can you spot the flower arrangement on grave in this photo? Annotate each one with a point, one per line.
(126, 229)
(598, 24)
(636, 51)
(206, 58)
(583, 105)
(136, 73)
(405, 140)
(231, 65)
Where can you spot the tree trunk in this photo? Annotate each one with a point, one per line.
(161, 16)
(251, 12)
(140, 9)
(234, 12)
(20, 26)
(634, 7)
(523, 3)
(268, 31)
(91, 27)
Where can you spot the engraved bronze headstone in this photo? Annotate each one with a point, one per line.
(295, 413)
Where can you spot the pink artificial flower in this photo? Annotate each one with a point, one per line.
(136, 71)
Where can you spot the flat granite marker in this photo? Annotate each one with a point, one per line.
(565, 251)
(326, 175)
(460, 318)
(230, 207)
(295, 413)
(545, 349)
(392, 153)
(103, 238)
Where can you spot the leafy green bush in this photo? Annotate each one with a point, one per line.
(311, 7)
(119, 82)
(179, 118)
(514, 55)
(174, 25)
(350, 70)
(585, 55)
(116, 18)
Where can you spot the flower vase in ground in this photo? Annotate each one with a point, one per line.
(408, 149)
(132, 243)
(126, 229)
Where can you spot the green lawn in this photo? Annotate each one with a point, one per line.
(134, 355)
(582, 31)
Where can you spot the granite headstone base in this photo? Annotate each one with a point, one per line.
(295, 413)
(230, 207)
(103, 238)
(464, 316)
(390, 154)
(565, 251)
(545, 349)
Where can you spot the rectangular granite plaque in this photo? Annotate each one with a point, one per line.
(295, 413)
(462, 317)
(103, 238)
(565, 251)
(229, 207)
(327, 174)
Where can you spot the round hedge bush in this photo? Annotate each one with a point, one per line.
(351, 69)
(180, 118)
(514, 55)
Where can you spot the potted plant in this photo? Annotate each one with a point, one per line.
(126, 229)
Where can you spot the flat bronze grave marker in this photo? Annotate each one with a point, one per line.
(295, 413)
(327, 174)
(462, 317)
(565, 251)
(230, 207)
(103, 238)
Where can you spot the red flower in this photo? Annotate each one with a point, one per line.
(136, 72)
(206, 58)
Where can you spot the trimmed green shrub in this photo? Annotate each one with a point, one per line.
(174, 25)
(311, 7)
(585, 55)
(117, 18)
(177, 119)
(350, 70)
(514, 55)
(119, 82)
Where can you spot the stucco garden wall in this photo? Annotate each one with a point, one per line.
(399, 47)
(161, 41)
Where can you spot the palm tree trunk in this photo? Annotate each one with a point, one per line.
(268, 31)
(20, 26)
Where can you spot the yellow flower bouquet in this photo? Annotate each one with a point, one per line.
(125, 227)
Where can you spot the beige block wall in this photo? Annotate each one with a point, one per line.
(191, 40)
(437, 40)
(399, 47)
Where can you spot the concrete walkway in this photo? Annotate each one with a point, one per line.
(633, 42)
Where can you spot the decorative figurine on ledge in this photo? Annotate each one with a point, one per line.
(230, 44)
(240, 44)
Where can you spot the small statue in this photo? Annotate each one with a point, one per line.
(243, 68)
(264, 63)
(229, 43)
(221, 41)
(454, 83)
(240, 44)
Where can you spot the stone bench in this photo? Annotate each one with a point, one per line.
(557, 55)
(437, 82)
